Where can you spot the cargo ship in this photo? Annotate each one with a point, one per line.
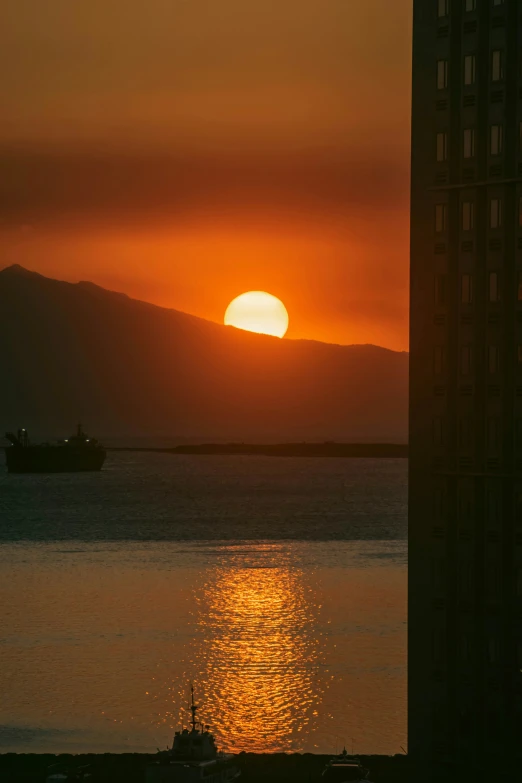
(72, 455)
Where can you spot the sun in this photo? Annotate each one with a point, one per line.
(257, 311)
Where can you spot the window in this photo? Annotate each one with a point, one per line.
(497, 66)
(442, 8)
(465, 647)
(468, 215)
(442, 147)
(466, 502)
(440, 289)
(438, 431)
(467, 289)
(518, 507)
(519, 582)
(440, 218)
(439, 503)
(465, 432)
(519, 287)
(493, 581)
(496, 139)
(493, 643)
(493, 433)
(470, 69)
(494, 290)
(442, 74)
(469, 143)
(495, 218)
(470, 5)
(466, 578)
(438, 359)
(493, 359)
(439, 647)
(465, 359)
(493, 505)
(439, 574)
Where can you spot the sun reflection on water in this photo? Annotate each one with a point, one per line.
(256, 653)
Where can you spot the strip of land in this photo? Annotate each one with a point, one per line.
(255, 768)
(330, 449)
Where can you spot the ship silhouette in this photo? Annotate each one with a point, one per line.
(72, 455)
(193, 757)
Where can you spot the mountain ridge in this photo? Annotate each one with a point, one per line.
(17, 269)
(73, 350)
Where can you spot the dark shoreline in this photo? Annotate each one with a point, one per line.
(255, 768)
(336, 450)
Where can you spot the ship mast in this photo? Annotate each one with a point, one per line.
(193, 708)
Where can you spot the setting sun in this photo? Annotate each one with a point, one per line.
(257, 311)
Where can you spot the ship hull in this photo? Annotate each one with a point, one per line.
(53, 459)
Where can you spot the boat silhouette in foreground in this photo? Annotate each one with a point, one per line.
(65, 773)
(72, 455)
(345, 769)
(194, 756)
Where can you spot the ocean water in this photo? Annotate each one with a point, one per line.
(277, 586)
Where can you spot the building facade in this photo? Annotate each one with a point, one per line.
(465, 518)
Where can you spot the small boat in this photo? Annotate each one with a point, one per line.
(64, 773)
(194, 756)
(345, 769)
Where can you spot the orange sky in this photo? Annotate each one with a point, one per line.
(184, 151)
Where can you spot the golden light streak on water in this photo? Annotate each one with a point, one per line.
(256, 659)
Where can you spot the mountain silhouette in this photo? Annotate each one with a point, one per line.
(126, 367)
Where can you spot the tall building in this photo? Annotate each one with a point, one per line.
(465, 523)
